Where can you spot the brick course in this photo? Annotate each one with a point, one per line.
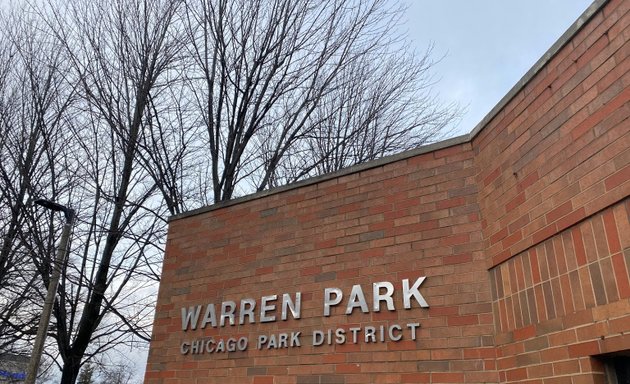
(522, 231)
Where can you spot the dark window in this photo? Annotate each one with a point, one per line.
(618, 369)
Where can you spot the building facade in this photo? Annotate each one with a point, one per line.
(500, 256)
(13, 368)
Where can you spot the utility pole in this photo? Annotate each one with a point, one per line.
(62, 252)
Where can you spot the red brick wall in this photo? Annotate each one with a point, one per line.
(565, 300)
(554, 187)
(557, 152)
(407, 219)
(522, 232)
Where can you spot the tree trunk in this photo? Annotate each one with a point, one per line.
(70, 371)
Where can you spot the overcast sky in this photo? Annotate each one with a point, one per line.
(488, 44)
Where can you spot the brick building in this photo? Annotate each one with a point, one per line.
(499, 256)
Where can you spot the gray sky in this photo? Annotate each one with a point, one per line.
(488, 44)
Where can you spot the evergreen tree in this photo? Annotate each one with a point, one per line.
(86, 374)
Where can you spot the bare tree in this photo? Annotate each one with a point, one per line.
(380, 106)
(290, 88)
(170, 149)
(76, 87)
(34, 103)
(120, 53)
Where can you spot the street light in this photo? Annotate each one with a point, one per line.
(62, 252)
